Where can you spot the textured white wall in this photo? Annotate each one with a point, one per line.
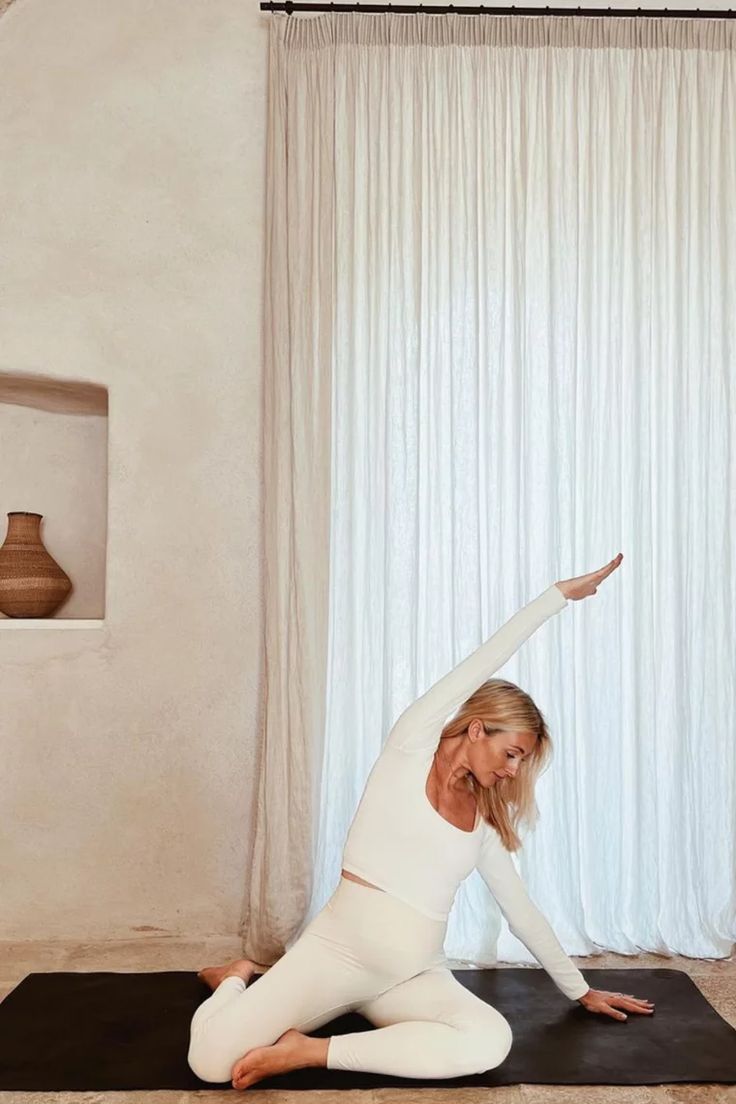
(131, 172)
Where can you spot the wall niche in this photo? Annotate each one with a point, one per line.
(53, 461)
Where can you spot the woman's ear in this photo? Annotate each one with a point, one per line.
(475, 729)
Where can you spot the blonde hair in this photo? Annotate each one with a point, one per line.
(502, 706)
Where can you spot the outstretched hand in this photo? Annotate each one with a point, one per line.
(600, 1000)
(584, 585)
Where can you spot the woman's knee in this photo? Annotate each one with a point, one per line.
(485, 1045)
(211, 1055)
(208, 1065)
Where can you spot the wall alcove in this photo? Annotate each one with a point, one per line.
(53, 460)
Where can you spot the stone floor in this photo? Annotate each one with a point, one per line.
(715, 978)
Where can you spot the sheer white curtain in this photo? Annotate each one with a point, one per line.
(533, 345)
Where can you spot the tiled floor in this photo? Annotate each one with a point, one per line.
(716, 979)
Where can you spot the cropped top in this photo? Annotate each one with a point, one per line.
(398, 841)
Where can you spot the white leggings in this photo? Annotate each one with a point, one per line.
(369, 952)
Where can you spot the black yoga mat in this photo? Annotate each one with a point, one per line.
(111, 1031)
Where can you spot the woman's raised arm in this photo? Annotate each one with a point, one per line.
(419, 725)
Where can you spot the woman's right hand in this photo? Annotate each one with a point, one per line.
(582, 586)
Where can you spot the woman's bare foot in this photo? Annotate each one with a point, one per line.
(240, 967)
(292, 1050)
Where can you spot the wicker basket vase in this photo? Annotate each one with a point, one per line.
(31, 582)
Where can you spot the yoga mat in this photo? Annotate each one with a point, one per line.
(112, 1031)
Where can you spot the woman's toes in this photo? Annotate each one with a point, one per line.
(252, 1067)
(266, 1061)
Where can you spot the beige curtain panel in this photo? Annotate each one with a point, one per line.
(297, 389)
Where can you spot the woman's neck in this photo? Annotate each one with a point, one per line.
(452, 769)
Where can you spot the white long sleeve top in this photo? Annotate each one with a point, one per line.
(399, 842)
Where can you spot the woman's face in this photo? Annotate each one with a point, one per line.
(495, 757)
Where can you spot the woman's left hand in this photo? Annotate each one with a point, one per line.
(582, 586)
(600, 1000)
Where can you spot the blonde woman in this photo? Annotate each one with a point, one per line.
(442, 799)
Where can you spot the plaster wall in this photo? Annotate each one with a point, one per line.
(131, 169)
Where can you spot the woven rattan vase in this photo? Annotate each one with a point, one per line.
(31, 582)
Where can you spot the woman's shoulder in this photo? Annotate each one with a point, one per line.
(411, 737)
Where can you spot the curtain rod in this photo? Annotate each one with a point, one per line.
(290, 6)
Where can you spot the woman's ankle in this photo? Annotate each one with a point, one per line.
(244, 975)
(240, 967)
(317, 1052)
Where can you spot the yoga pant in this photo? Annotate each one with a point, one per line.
(368, 952)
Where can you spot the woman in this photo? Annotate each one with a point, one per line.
(441, 799)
